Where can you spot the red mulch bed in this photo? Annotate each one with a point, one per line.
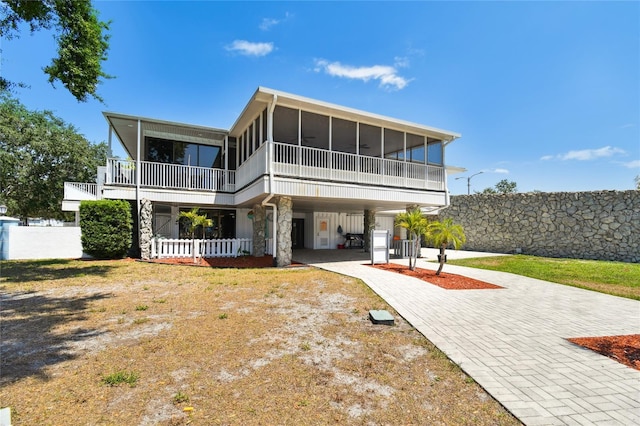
(624, 349)
(444, 280)
(221, 262)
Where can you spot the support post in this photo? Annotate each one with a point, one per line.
(259, 218)
(285, 220)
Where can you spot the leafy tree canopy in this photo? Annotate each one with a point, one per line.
(503, 187)
(38, 153)
(81, 37)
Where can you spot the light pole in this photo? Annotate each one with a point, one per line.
(3, 209)
(469, 181)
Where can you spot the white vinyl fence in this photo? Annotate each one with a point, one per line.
(166, 247)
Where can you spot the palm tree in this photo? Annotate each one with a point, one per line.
(416, 225)
(195, 220)
(443, 233)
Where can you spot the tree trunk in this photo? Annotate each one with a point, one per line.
(441, 258)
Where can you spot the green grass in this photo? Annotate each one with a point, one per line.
(615, 278)
(119, 377)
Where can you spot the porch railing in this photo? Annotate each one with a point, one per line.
(314, 163)
(288, 160)
(163, 175)
(79, 191)
(168, 247)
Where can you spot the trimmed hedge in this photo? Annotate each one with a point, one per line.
(106, 227)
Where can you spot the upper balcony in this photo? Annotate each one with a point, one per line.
(294, 161)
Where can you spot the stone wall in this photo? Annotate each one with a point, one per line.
(601, 225)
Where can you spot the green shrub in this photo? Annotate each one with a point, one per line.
(106, 227)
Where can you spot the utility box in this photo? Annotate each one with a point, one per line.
(381, 317)
(380, 242)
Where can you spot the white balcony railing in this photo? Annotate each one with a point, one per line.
(287, 160)
(175, 176)
(78, 191)
(314, 163)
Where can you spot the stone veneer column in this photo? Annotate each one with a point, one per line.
(146, 229)
(285, 218)
(369, 225)
(259, 218)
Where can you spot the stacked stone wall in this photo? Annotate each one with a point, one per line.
(603, 225)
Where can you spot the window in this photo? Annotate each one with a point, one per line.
(315, 130)
(175, 152)
(370, 140)
(343, 135)
(415, 148)
(285, 125)
(393, 144)
(434, 152)
(223, 224)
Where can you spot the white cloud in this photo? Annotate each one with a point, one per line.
(586, 154)
(635, 164)
(250, 48)
(385, 74)
(503, 171)
(267, 23)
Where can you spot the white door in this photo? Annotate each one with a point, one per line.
(322, 232)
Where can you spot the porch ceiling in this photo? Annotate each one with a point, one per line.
(126, 130)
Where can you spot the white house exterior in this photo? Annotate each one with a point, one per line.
(317, 168)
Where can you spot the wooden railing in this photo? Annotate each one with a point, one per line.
(168, 247)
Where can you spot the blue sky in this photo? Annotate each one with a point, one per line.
(546, 94)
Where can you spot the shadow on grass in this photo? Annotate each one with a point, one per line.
(32, 336)
(47, 270)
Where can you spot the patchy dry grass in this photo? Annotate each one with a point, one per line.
(217, 346)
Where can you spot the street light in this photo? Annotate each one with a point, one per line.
(469, 181)
(3, 209)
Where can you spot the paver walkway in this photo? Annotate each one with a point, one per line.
(512, 340)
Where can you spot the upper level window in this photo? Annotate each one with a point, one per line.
(343, 135)
(285, 125)
(415, 148)
(393, 144)
(176, 152)
(315, 130)
(434, 152)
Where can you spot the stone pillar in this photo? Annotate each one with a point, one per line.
(146, 229)
(369, 225)
(259, 218)
(285, 219)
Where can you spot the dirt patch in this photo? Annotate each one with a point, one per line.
(444, 280)
(624, 349)
(218, 346)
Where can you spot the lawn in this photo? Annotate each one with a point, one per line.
(616, 278)
(125, 342)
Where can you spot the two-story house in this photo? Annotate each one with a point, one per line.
(295, 168)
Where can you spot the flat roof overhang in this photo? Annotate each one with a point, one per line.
(125, 128)
(265, 96)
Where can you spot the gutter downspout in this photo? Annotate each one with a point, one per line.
(265, 202)
(138, 176)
